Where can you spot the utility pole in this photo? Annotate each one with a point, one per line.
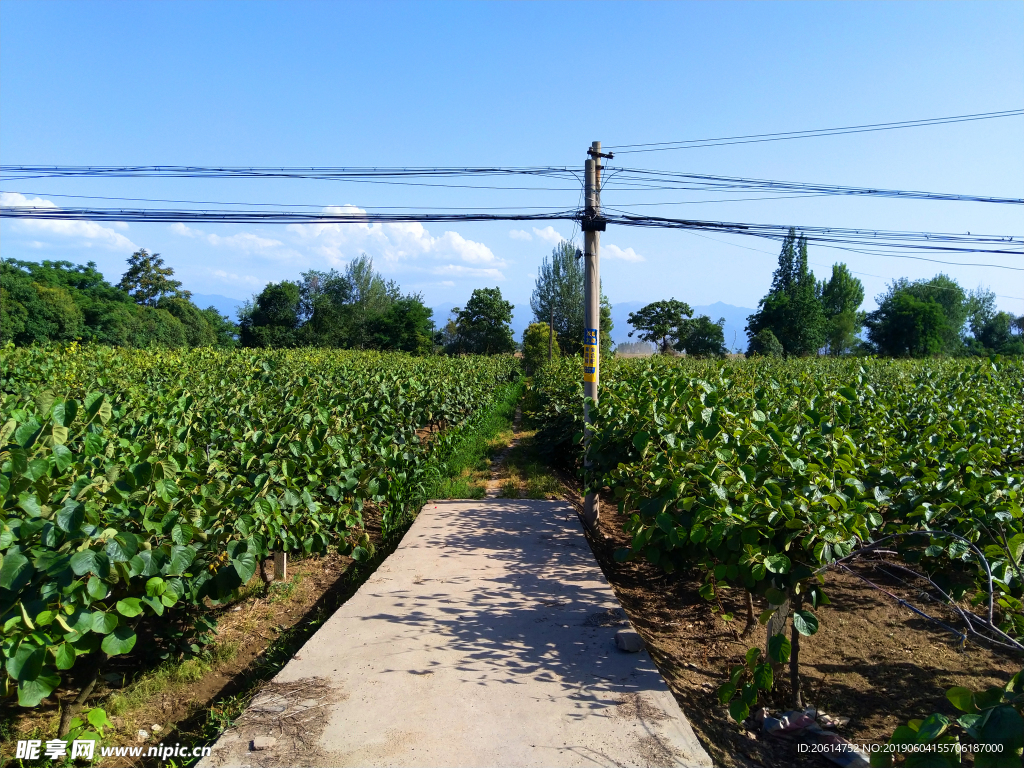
(592, 225)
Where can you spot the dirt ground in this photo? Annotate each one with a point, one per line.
(873, 660)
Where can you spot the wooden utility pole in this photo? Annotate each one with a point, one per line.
(593, 224)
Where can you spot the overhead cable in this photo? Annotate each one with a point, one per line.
(661, 146)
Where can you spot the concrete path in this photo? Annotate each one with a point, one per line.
(486, 639)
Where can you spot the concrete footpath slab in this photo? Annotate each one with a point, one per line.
(486, 639)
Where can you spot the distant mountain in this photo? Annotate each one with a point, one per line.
(735, 321)
(224, 305)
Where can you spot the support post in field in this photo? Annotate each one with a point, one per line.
(280, 566)
(592, 225)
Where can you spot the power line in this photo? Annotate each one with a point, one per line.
(840, 236)
(661, 146)
(708, 182)
(820, 264)
(291, 205)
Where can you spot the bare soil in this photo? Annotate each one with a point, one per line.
(873, 660)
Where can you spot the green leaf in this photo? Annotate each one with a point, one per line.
(27, 661)
(725, 693)
(62, 457)
(15, 571)
(961, 698)
(779, 648)
(641, 440)
(90, 561)
(777, 563)
(763, 677)
(933, 727)
(121, 640)
(103, 622)
(245, 566)
(64, 412)
(122, 547)
(64, 655)
(97, 588)
(1003, 726)
(739, 710)
(31, 692)
(129, 607)
(806, 623)
(71, 516)
(98, 719)
(155, 587)
(360, 555)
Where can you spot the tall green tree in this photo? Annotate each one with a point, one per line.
(702, 337)
(841, 297)
(272, 318)
(559, 298)
(919, 319)
(405, 326)
(663, 323)
(535, 346)
(791, 310)
(483, 325)
(148, 280)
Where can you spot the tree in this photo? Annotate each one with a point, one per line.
(483, 326)
(272, 318)
(841, 297)
(535, 346)
(907, 326)
(764, 344)
(663, 323)
(791, 309)
(559, 297)
(198, 332)
(921, 318)
(225, 332)
(147, 279)
(703, 338)
(405, 326)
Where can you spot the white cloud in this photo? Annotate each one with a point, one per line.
(520, 234)
(549, 234)
(231, 277)
(392, 243)
(244, 241)
(609, 251)
(88, 231)
(457, 270)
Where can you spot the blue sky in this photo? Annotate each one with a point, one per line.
(463, 84)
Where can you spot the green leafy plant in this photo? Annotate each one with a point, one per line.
(755, 675)
(992, 722)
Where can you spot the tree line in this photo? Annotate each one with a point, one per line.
(60, 301)
(357, 308)
(800, 316)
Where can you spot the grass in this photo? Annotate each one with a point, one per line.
(466, 471)
(528, 476)
(169, 675)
